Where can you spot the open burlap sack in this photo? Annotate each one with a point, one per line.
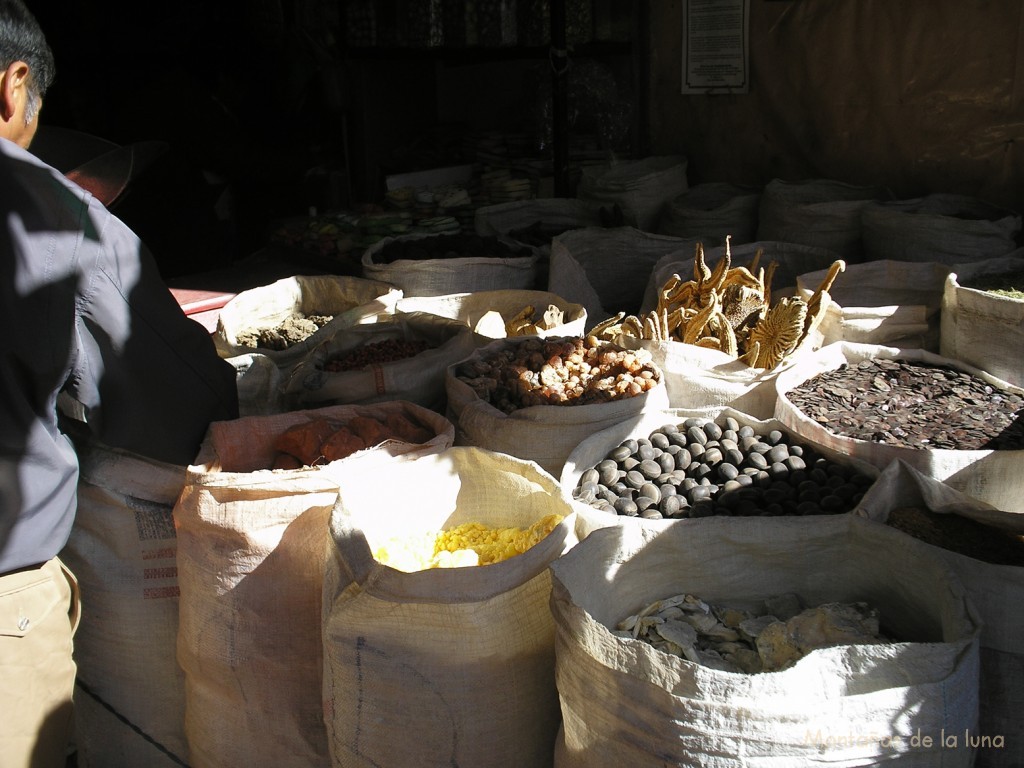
(252, 544)
(348, 300)
(992, 476)
(625, 702)
(444, 666)
(489, 312)
(995, 590)
(981, 328)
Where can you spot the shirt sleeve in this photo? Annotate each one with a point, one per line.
(149, 377)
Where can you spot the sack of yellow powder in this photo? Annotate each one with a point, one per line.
(438, 638)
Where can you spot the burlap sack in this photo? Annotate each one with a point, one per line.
(252, 544)
(130, 702)
(895, 303)
(457, 274)
(625, 703)
(711, 212)
(606, 270)
(818, 212)
(349, 300)
(418, 378)
(477, 310)
(981, 328)
(991, 476)
(641, 188)
(943, 228)
(545, 434)
(448, 666)
(995, 590)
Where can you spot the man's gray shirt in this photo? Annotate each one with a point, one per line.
(83, 310)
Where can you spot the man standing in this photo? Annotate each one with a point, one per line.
(84, 315)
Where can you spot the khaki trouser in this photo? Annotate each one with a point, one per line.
(39, 611)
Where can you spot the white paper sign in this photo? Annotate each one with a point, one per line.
(716, 48)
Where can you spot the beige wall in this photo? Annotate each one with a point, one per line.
(920, 95)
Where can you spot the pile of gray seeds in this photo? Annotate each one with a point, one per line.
(705, 467)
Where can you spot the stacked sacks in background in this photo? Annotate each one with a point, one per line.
(944, 228)
(606, 270)
(713, 211)
(640, 188)
(822, 213)
(442, 264)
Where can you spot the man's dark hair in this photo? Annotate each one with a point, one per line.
(22, 39)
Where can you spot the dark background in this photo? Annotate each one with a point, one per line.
(234, 88)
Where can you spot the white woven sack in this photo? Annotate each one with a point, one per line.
(449, 666)
(701, 379)
(895, 303)
(944, 228)
(258, 381)
(995, 590)
(817, 212)
(551, 213)
(130, 702)
(418, 379)
(545, 434)
(641, 188)
(991, 476)
(981, 328)
(349, 300)
(606, 270)
(252, 543)
(471, 308)
(440, 277)
(792, 260)
(624, 703)
(711, 212)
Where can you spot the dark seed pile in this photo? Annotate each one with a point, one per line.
(701, 468)
(960, 534)
(912, 405)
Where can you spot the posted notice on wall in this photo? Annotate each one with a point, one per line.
(716, 48)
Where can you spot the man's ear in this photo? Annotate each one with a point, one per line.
(12, 88)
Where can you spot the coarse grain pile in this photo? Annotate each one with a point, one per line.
(703, 467)
(961, 535)
(558, 371)
(376, 353)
